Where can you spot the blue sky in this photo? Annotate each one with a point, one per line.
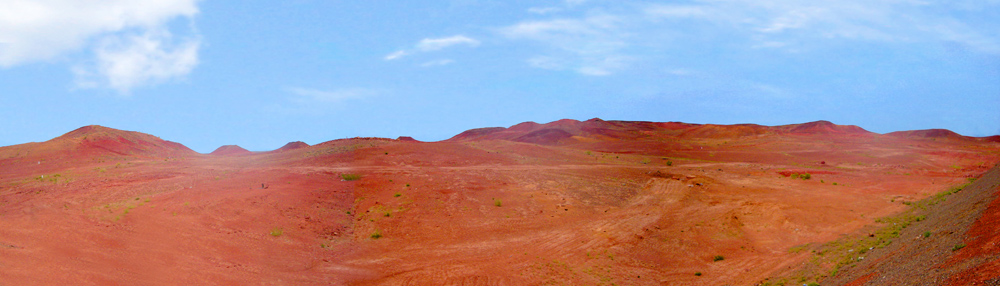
(263, 73)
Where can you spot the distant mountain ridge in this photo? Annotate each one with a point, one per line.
(567, 130)
(95, 139)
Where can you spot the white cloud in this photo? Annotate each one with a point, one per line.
(590, 46)
(47, 30)
(605, 41)
(396, 55)
(314, 95)
(543, 10)
(430, 45)
(675, 11)
(441, 62)
(777, 21)
(126, 62)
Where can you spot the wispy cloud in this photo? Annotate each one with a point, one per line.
(130, 41)
(590, 46)
(543, 10)
(307, 95)
(430, 45)
(675, 11)
(396, 55)
(435, 63)
(776, 21)
(605, 41)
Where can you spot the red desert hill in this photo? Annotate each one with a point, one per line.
(230, 150)
(822, 127)
(927, 134)
(291, 146)
(568, 131)
(99, 140)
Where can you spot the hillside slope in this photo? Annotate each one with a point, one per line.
(954, 244)
(97, 140)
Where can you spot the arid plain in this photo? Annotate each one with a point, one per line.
(564, 203)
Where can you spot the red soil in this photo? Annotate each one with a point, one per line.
(983, 244)
(629, 203)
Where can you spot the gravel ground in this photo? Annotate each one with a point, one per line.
(918, 259)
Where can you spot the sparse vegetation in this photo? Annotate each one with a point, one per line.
(958, 246)
(397, 195)
(497, 202)
(798, 248)
(804, 176)
(697, 274)
(377, 234)
(277, 231)
(927, 234)
(350, 177)
(718, 258)
(829, 259)
(51, 178)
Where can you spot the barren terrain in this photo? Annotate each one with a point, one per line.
(566, 203)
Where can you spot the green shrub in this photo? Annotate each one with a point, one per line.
(397, 195)
(958, 246)
(718, 258)
(350, 177)
(496, 202)
(697, 274)
(927, 234)
(276, 232)
(377, 234)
